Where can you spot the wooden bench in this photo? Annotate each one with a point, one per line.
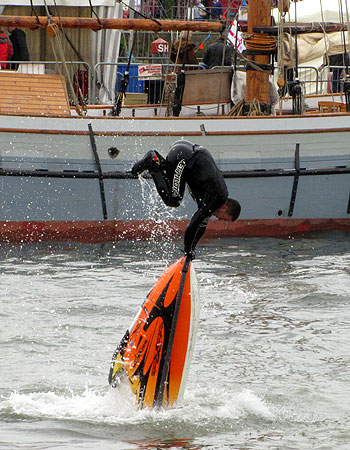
(33, 94)
(327, 107)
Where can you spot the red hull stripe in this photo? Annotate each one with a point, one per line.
(115, 230)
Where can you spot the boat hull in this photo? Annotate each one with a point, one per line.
(111, 231)
(290, 174)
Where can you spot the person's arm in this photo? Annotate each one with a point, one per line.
(228, 56)
(23, 48)
(206, 58)
(195, 230)
(10, 49)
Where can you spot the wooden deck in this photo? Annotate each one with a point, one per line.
(33, 94)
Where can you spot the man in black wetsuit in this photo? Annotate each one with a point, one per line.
(192, 164)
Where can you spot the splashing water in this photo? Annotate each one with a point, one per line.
(117, 406)
(162, 234)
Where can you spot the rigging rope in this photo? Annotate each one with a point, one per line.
(326, 42)
(81, 100)
(254, 109)
(33, 10)
(280, 48)
(53, 31)
(280, 55)
(124, 82)
(346, 79)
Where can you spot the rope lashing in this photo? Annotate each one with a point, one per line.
(258, 43)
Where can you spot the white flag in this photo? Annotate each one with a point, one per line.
(236, 37)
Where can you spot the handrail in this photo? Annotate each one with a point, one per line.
(326, 68)
(317, 81)
(169, 67)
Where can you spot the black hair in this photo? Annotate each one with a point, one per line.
(233, 208)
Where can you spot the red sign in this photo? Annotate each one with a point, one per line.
(160, 46)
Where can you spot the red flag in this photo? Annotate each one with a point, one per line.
(201, 47)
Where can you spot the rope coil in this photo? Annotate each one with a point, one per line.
(260, 42)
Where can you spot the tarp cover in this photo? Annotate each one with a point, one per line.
(58, 2)
(312, 46)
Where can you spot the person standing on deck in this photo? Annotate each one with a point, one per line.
(216, 10)
(182, 51)
(340, 62)
(192, 164)
(19, 44)
(6, 50)
(218, 54)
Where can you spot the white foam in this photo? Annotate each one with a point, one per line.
(112, 405)
(118, 406)
(221, 406)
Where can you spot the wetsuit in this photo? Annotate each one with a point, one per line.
(194, 165)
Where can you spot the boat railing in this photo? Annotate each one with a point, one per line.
(150, 86)
(316, 80)
(330, 84)
(308, 75)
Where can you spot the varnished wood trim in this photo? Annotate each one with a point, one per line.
(101, 133)
(176, 133)
(271, 132)
(314, 114)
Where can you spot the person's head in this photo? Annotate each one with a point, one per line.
(222, 37)
(229, 211)
(10, 29)
(185, 36)
(180, 149)
(182, 142)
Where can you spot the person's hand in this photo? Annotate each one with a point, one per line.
(137, 169)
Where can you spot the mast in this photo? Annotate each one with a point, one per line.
(259, 14)
(95, 24)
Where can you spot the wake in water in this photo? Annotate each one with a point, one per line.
(117, 406)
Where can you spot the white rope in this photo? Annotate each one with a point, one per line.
(326, 42)
(56, 35)
(280, 50)
(347, 20)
